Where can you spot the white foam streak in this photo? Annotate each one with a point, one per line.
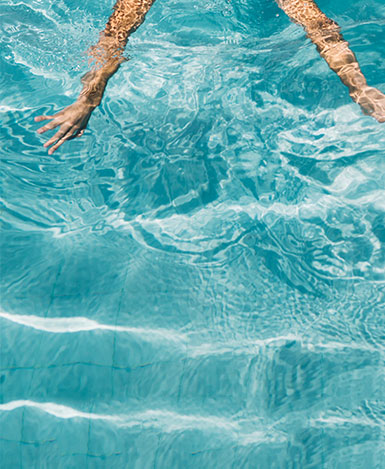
(76, 324)
(172, 421)
(166, 421)
(57, 410)
(82, 324)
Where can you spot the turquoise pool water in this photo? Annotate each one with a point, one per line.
(199, 281)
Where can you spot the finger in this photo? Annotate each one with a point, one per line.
(56, 146)
(67, 136)
(80, 133)
(73, 133)
(59, 134)
(52, 125)
(43, 118)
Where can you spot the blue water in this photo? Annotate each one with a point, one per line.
(198, 282)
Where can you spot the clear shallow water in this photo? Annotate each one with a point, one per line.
(198, 282)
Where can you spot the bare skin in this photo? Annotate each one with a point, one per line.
(325, 34)
(107, 56)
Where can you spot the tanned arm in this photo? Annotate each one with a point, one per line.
(325, 34)
(107, 56)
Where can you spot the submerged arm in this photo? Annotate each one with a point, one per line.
(107, 55)
(325, 34)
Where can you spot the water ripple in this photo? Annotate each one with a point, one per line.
(199, 281)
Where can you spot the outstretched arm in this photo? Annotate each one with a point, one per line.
(107, 56)
(325, 34)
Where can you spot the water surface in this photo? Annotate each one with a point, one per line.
(198, 281)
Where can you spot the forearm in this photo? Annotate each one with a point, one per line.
(325, 34)
(107, 54)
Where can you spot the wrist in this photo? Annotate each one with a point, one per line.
(90, 101)
(93, 89)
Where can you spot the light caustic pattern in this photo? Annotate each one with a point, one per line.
(199, 280)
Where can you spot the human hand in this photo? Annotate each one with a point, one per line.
(72, 122)
(372, 102)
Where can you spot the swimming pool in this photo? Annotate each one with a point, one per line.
(199, 281)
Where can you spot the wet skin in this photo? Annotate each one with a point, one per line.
(107, 56)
